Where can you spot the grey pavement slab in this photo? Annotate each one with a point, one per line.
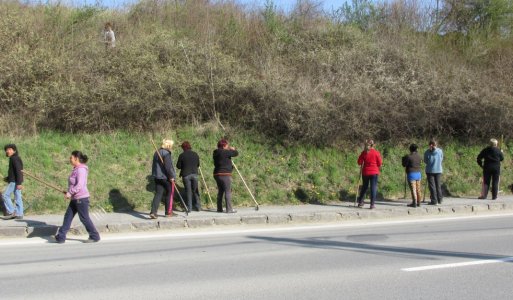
(46, 225)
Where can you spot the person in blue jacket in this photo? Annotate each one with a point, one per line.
(433, 158)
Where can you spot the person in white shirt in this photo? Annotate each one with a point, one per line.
(109, 36)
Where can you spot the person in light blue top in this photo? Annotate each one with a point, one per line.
(433, 158)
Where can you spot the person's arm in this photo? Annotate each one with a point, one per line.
(179, 161)
(18, 168)
(80, 182)
(379, 160)
(168, 165)
(360, 159)
(480, 158)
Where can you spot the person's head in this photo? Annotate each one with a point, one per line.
(432, 144)
(413, 148)
(222, 144)
(186, 146)
(369, 144)
(494, 142)
(108, 26)
(77, 158)
(167, 144)
(10, 149)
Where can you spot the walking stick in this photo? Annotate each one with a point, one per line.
(44, 182)
(162, 161)
(358, 185)
(206, 187)
(251, 194)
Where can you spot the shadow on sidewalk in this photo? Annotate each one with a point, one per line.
(120, 204)
(39, 229)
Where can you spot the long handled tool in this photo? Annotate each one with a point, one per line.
(358, 185)
(206, 187)
(59, 189)
(162, 161)
(251, 194)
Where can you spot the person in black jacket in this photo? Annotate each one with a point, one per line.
(411, 163)
(188, 163)
(223, 174)
(492, 157)
(15, 180)
(164, 176)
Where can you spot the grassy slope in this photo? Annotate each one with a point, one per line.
(120, 165)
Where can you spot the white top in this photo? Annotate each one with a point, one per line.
(110, 38)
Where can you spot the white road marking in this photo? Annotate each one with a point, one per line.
(217, 231)
(457, 265)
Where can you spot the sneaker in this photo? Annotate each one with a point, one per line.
(153, 216)
(411, 205)
(55, 240)
(360, 204)
(372, 206)
(9, 216)
(481, 198)
(91, 241)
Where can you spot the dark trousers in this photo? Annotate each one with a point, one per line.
(162, 188)
(373, 181)
(80, 206)
(190, 182)
(435, 187)
(224, 186)
(493, 176)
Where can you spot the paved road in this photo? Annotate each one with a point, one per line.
(458, 258)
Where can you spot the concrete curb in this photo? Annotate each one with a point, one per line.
(276, 216)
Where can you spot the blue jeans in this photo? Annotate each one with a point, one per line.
(80, 206)
(11, 188)
(373, 180)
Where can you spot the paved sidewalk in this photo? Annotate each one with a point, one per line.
(46, 225)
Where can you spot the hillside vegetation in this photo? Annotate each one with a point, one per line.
(392, 71)
(120, 169)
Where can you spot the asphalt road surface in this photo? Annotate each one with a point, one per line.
(457, 258)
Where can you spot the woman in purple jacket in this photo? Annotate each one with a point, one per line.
(79, 199)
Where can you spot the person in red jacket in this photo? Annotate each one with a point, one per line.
(370, 162)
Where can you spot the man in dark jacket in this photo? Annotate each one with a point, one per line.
(188, 163)
(164, 176)
(15, 180)
(492, 157)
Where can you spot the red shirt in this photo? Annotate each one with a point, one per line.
(371, 162)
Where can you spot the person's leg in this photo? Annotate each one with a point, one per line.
(438, 184)
(495, 184)
(170, 191)
(363, 190)
(66, 223)
(159, 191)
(418, 191)
(9, 189)
(18, 211)
(83, 214)
(228, 192)
(196, 201)
(487, 177)
(432, 188)
(188, 190)
(412, 185)
(220, 193)
(374, 189)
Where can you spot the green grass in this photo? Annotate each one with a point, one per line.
(120, 165)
